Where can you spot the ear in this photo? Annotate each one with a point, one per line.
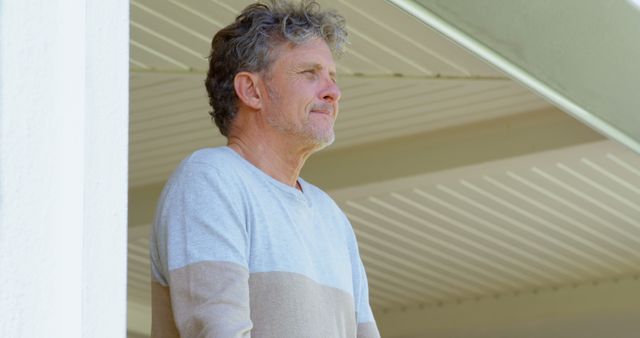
(246, 87)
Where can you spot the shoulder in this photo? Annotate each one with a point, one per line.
(205, 181)
(206, 171)
(219, 157)
(206, 162)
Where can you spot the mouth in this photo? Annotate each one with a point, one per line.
(322, 112)
(327, 111)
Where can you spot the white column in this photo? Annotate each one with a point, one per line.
(63, 168)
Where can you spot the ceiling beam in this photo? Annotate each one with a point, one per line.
(199, 73)
(419, 154)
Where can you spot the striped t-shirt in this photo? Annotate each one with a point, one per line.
(236, 253)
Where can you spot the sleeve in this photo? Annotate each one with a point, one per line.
(366, 324)
(201, 244)
(367, 327)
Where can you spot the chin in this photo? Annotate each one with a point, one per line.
(325, 141)
(319, 138)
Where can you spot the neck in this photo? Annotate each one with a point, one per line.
(277, 157)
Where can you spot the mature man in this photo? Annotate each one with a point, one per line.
(241, 245)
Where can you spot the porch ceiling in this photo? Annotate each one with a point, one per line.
(460, 183)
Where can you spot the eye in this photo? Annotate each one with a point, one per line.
(310, 74)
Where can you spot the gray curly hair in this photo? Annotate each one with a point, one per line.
(248, 43)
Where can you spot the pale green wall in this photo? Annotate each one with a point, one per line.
(585, 50)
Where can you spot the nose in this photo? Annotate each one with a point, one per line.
(331, 92)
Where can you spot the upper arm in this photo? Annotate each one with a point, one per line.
(211, 299)
(366, 324)
(162, 323)
(367, 327)
(202, 249)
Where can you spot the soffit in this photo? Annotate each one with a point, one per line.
(543, 221)
(398, 77)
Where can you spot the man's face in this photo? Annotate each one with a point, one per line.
(302, 100)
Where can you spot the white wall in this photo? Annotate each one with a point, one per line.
(63, 169)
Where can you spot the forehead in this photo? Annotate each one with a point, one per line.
(314, 52)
